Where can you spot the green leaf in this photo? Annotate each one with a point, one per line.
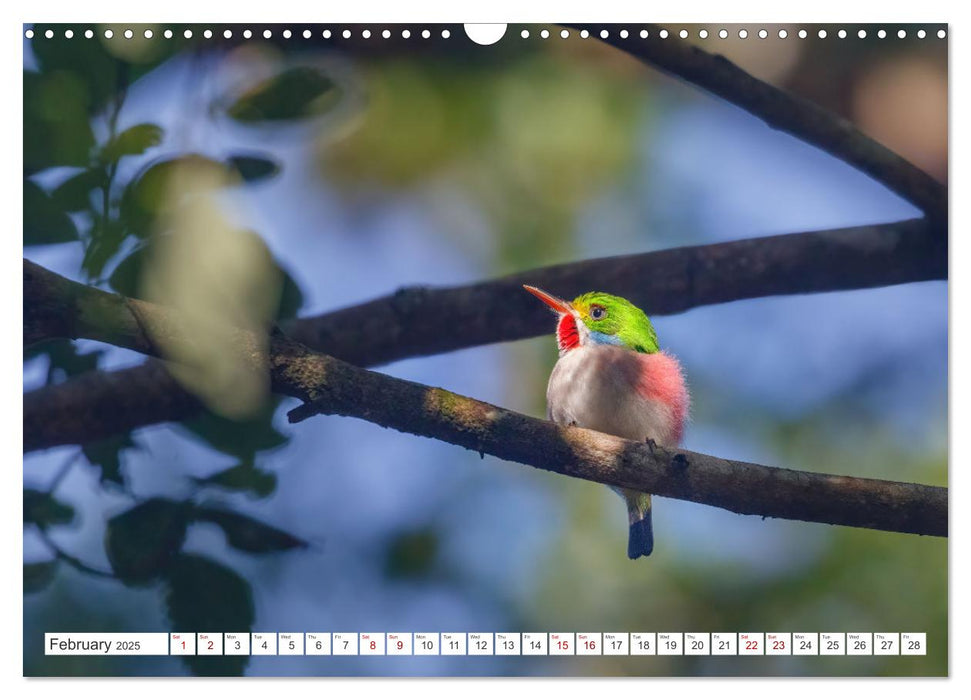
(106, 239)
(104, 66)
(86, 60)
(106, 454)
(243, 477)
(296, 93)
(248, 534)
(253, 168)
(64, 359)
(242, 439)
(74, 194)
(126, 276)
(44, 221)
(43, 510)
(57, 129)
(142, 542)
(39, 576)
(205, 596)
(291, 298)
(146, 194)
(412, 554)
(131, 142)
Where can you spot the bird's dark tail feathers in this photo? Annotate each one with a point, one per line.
(641, 540)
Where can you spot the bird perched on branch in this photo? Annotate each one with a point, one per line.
(613, 377)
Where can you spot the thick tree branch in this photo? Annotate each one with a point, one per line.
(786, 112)
(97, 405)
(741, 487)
(330, 386)
(422, 321)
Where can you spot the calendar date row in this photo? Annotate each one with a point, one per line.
(489, 644)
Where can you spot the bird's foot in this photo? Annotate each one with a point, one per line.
(651, 444)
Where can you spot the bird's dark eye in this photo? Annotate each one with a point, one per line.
(597, 312)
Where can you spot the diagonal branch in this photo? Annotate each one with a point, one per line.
(97, 405)
(786, 112)
(330, 386)
(423, 321)
(740, 487)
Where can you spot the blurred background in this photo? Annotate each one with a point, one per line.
(296, 176)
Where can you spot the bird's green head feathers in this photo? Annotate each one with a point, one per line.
(607, 319)
(615, 320)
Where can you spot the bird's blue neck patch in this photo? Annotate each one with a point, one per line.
(604, 339)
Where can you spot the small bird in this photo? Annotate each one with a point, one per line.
(612, 377)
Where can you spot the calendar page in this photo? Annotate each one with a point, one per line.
(601, 350)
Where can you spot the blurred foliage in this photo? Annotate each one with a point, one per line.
(39, 576)
(253, 168)
(142, 542)
(64, 359)
(295, 93)
(44, 222)
(145, 196)
(246, 534)
(57, 130)
(244, 478)
(127, 275)
(224, 603)
(133, 141)
(75, 192)
(107, 454)
(530, 143)
(144, 546)
(240, 438)
(43, 510)
(412, 554)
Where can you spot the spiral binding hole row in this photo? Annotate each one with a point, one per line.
(525, 34)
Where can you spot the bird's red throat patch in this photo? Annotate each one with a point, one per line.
(567, 335)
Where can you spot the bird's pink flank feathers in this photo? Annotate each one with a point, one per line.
(662, 380)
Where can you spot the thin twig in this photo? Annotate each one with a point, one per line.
(784, 111)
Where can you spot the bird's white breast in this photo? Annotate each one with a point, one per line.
(595, 386)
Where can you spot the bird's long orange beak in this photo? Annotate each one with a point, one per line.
(555, 303)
